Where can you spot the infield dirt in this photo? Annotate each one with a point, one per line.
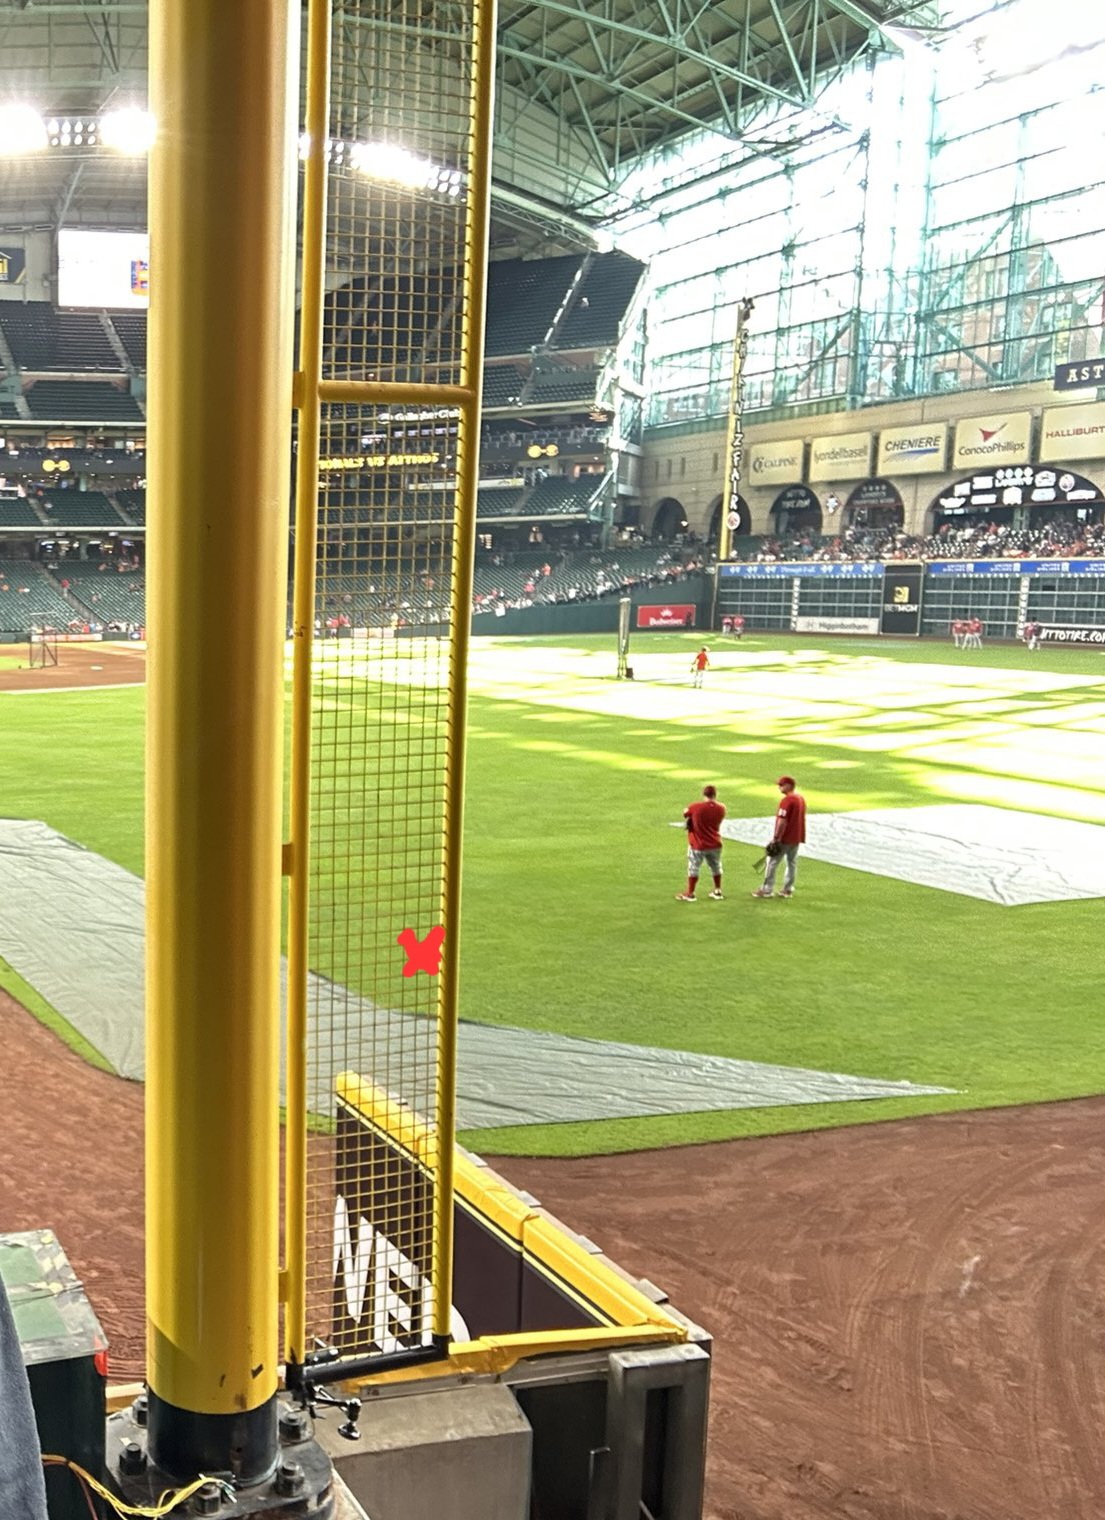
(908, 1318)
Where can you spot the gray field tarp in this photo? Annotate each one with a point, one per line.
(72, 926)
(996, 854)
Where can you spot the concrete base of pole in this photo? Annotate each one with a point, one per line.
(301, 1484)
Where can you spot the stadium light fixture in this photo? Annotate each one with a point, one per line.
(22, 130)
(129, 131)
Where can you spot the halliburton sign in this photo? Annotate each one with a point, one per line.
(1073, 432)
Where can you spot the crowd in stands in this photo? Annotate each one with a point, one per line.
(508, 581)
(972, 541)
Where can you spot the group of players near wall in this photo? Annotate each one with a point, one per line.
(704, 843)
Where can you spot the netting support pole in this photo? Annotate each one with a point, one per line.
(307, 388)
(481, 120)
(223, 90)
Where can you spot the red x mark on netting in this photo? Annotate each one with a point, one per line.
(422, 954)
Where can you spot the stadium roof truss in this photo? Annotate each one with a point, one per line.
(613, 78)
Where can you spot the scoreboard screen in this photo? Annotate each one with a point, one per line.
(103, 269)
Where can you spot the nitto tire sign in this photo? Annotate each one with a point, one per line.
(1084, 634)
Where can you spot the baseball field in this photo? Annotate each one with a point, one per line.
(570, 918)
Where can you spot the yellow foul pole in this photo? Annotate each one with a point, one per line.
(303, 629)
(481, 117)
(223, 86)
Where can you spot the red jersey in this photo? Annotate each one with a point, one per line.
(701, 660)
(738, 622)
(790, 820)
(704, 832)
(975, 625)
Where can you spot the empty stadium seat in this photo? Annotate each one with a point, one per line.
(81, 401)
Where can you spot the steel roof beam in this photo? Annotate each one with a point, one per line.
(674, 42)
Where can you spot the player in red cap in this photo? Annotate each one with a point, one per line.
(790, 832)
(698, 666)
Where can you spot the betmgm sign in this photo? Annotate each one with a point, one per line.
(519, 1278)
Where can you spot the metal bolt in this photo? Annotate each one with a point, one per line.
(132, 1458)
(293, 1425)
(140, 1410)
(289, 1477)
(208, 1500)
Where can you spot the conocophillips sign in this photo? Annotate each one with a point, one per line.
(918, 450)
(1004, 439)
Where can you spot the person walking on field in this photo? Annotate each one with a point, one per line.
(790, 833)
(699, 666)
(703, 842)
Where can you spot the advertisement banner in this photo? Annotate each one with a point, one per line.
(1015, 486)
(1087, 634)
(1094, 567)
(13, 266)
(805, 569)
(1073, 432)
(918, 450)
(1080, 375)
(1002, 439)
(836, 625)
(902, 588)
(670, 615)
(775, 464)
(845, 457)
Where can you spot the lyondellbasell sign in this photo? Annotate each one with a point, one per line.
(847, 456)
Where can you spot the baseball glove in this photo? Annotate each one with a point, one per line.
(773, 848)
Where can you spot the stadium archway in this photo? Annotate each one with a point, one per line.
(875, 504)
(743, 525)
(1017, 496)
(796, 510)
(670, 520)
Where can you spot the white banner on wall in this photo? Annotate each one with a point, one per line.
(103, 269)
(1002, 439)
(847, 456)
(836, 625)
(774, 464)
(918, 450)
(1073, 432)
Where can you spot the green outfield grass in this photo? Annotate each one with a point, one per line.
(570, 921)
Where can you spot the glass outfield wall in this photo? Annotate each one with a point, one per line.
(937, 223)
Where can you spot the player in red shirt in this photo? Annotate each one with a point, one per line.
(738, 626)
(959, 632)
(1032, 635)
(698, 666)
(790, 833)
(974, 633)
(703, 842)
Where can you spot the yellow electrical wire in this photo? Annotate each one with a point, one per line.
(167, 1502)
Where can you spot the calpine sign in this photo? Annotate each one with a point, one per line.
(670, 615)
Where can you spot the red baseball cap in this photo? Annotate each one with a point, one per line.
(785, 781)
